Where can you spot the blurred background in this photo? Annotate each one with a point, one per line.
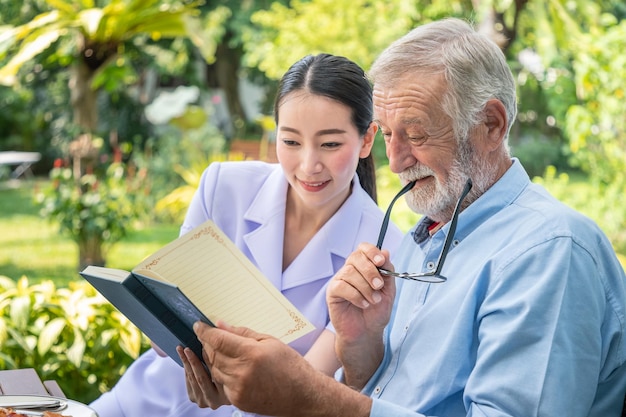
(110, 110)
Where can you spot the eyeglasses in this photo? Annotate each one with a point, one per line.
(433, 276)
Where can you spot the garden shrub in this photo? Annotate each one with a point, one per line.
(538, 153)
(72, 335)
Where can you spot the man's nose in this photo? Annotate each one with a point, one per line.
(399, 153)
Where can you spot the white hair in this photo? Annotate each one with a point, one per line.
(473, 66)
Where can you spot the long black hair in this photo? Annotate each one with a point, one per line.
(342, 80)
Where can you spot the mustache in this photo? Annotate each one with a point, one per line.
(416, 172)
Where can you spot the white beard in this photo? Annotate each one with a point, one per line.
(438, 200)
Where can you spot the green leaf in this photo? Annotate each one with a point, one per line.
(3, 332)
(65, 6)
(27, 51)
(130, 342)
(90, 20)
(76, 352)
(7, 38)
(49, 335)
(19, 338)
(6, 282)
(19, 311)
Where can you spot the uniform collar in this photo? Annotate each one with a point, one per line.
(332, 244)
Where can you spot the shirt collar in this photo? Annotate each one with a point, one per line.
(498, 196)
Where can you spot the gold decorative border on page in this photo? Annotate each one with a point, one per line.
(299, 323)
(207, 230)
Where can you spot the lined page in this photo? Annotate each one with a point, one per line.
(224, 284)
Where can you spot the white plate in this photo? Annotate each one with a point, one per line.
(74, 408)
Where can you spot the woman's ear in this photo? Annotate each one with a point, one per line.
(496, 122)
(368, 140)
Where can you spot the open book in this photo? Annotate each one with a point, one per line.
(203, 276)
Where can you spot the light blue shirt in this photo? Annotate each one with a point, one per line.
(247, 201)
(531, 321)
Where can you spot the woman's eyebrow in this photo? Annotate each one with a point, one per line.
(330, 132)
(289, 129)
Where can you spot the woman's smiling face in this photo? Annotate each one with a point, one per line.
(319, 147)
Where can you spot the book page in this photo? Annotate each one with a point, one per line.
(111, 274)
(224, 284)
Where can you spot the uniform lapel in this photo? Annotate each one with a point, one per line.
(323, 254)
(266, 216)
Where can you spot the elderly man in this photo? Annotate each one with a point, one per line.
(514, 307)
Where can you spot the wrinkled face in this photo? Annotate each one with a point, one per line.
(420, 143)
(319, 147)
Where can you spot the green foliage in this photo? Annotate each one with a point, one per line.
(34, 114)
(358, 29)
(92, 208)
(537, 153)
(596, 126)
(102, 31)
(72, 335)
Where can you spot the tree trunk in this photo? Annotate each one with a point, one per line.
(224, 74)
(90, 252)
(84, 107)
(83, 97)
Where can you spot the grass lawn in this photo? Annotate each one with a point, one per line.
(32, 246)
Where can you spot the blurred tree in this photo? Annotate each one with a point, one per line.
(229, 66)
(357, 29)
(572, 51)
(91, 38)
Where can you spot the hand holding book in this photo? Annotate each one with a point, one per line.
(203, 276)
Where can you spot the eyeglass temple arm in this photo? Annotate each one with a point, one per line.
(383, 229)
(450, 236)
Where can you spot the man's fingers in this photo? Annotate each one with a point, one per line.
(200, 387)
(241, 331)
(226, 339)
(349, 285)
(359, 281)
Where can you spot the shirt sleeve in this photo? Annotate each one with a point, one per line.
(538, 335)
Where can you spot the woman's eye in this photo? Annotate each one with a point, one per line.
(331, 145)
(290, 142)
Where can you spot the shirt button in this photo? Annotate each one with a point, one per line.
(377, 390)
(430, 266)
(237, 413)
(455, 242)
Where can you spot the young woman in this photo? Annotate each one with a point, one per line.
(297, 220)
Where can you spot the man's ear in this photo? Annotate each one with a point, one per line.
(496, 122)
(368, 140)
